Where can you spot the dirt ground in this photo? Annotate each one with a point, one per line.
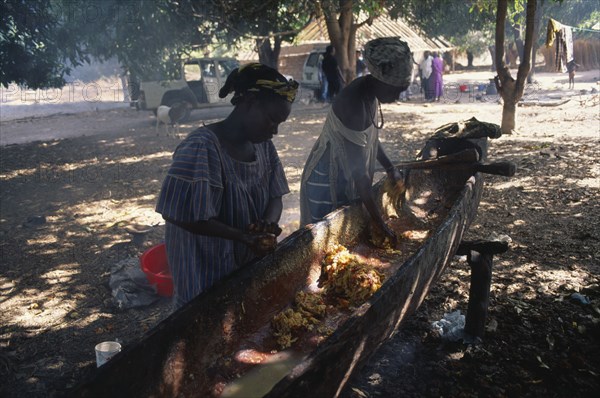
(65, 205)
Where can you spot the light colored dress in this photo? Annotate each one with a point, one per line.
(204, 183)
(327, 180)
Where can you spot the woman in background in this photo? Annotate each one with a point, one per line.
(436, 80)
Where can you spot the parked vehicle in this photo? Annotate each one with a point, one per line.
(198, 84)
(310, 72)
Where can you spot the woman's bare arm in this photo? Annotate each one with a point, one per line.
(259, 242)
(363, 183)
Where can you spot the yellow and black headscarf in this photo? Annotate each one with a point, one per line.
(258, 79)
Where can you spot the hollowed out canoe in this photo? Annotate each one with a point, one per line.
(202, 349)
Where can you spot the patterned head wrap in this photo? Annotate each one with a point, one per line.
(258, 79)
(389, 60)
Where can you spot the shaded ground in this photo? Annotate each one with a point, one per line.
(56, 304)
(539, 340)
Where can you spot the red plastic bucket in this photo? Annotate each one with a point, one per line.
(156, 267)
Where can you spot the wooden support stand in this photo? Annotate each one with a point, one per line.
(480, 255)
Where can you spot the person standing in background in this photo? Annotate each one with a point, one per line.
(332, 73)
(436, 81)
(425, 67)
(571, 68)
(323, 80)
(361, 67)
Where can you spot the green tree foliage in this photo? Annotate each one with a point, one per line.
(29, 48)
(579, 13)
(469, 25)
(449, 18)
(268, 23)
(37, 38)
(146, 36)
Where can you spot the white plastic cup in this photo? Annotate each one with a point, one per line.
(105, 351)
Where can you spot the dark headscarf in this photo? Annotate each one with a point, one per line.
(258, 79)
(389, 60)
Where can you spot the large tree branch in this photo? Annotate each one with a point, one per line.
(269, 36)
(366, 21)
(525, 65)
(344, 56)
(346, 18)
(333, 28)
(501, 68)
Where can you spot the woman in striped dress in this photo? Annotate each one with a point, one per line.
(221, 198)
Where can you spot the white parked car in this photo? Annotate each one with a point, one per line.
(310, 72)
(198, 84)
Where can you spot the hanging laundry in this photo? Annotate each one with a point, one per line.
(568, 32)
(553, 27)
(563, 35)
(560, 58)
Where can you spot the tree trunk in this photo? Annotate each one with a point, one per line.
(267, 55)
(469, 59)
(511, 90)
(517, 32)
(449, 57)
(342, 34)
(536, 33)
(533, 60)
(492, 50)
(350, 74)
(509, 116)
(339, 32)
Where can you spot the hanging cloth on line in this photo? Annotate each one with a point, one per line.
(568, 32)
(553, 27)
(563, 35)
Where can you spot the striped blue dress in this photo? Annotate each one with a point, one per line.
(204, 183)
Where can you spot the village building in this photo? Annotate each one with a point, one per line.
(315, 36)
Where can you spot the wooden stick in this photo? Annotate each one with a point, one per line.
(507, 169)
(479, 292)
(480, 254)
(465, 156)
(543, 103)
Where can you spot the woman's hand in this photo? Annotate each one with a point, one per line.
(265, 226)
(381, 235)
(262, 236)
(260, 243)
(396, 176)
(389, 234)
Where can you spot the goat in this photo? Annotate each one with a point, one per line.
(171, 115)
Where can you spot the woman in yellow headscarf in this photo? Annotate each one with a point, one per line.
(221, 198)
